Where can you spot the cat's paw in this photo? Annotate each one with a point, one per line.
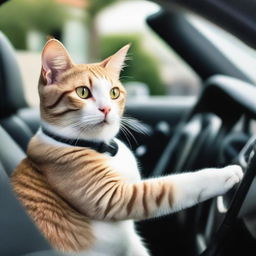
(233, 174)
(217, 182)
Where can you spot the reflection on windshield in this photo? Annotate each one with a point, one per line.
(235, 50)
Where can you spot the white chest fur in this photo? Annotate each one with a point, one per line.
(113, 238)
(125, 163)
(117, 238)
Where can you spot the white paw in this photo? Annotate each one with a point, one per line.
(233, 174)
(218, 181)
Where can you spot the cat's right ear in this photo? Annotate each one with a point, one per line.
(55, 60)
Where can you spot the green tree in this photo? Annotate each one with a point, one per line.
(93, 9)
(17, 17)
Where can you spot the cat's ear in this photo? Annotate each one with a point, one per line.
(115, 63)
(55, 60)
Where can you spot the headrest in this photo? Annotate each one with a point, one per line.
(11, 87)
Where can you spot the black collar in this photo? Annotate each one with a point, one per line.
(101, 147)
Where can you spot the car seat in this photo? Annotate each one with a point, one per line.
(20, 121)
(18, 234)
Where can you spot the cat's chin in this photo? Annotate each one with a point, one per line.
(104, 130)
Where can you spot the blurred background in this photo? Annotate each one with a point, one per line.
(92, 30)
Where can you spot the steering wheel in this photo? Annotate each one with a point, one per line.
(211, 124)
(231, 205)
(203, 129)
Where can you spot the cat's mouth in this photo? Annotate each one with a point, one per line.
(103, 122)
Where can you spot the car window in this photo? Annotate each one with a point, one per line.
(152, 67)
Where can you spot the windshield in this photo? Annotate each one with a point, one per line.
(235, 50)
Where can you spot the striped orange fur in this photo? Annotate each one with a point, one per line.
(61, 224)
(94, 188)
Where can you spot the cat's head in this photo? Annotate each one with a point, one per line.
(81, 100)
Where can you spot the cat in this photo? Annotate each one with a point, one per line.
(79, 183)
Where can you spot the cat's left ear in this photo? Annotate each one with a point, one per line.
(115, 63)
(55, 60)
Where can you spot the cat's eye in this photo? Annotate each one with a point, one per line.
(114, 93)
(83, 92)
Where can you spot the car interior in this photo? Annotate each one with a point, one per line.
(214, 130)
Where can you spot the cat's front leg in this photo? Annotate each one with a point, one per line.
(114, 198)
(195, 187)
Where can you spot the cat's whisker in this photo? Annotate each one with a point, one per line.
(122, 77)
(130, 123)
(129, 132)
(137, 128)
(79, 135)
(126, 135)
(86, 126)
(135, 125)
(87, 121)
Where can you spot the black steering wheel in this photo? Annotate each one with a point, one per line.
(231, 205)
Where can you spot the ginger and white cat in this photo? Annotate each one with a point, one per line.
(82, 194)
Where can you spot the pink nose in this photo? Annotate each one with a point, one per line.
(105, 110)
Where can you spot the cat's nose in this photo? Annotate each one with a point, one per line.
(105, 110)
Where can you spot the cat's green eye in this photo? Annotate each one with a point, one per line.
(83, 92)
(114, 93)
